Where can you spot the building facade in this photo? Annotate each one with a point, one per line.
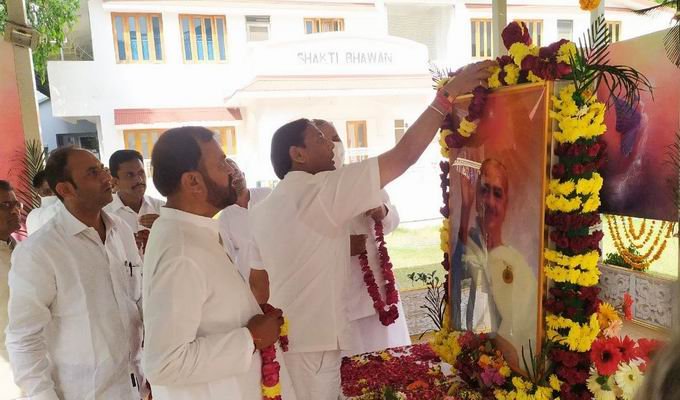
(243, 68)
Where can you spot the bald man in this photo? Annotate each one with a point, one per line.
(503, 290)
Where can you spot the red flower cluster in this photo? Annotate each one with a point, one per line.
(570, 222)
(516, 32)
(627, 307)
(575, 303)
(389, 315)
(444, 185)
(608, 353)
(409, 370)
(580, 158)
(545, 65)
(572, 244)
(562, 170)
(581, 150)
(270, 369)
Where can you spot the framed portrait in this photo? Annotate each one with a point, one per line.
(497, 208)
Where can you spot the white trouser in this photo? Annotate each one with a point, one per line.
(315, 375)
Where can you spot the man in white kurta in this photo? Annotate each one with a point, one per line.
(368, 333)
(233, 220)
(130, 202)
(40, 215)
(75, 326)
(10, 215)
(203, 326)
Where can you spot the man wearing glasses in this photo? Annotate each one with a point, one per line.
(75, 327)
(10, 211)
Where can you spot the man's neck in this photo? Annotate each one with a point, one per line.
(4, 236)
(492, 237)
(89, 217)
(244, 198)
(191, 207)
(132, 201)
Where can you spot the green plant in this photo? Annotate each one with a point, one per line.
(30, 162)
(435, 304)
(52, 19)
(671, 41)
(539, 371)
(590, 69)
(617, 259)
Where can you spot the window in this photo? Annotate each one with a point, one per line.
(357, 141)
(565, 29)
(143, 140)
(615, 29)
(482, 39)
(137, 37)
(535, 27)
(257, 28)
(203, 38)
(400, 127)
(316, 25)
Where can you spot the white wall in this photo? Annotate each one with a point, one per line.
(51, 126)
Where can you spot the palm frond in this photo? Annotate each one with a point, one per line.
(623, 82)
(29, 162)
(671, 43)
(439, 73)
(673, 158)
(655, 9)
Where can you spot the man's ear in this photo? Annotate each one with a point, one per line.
(66, 189)
(192, 182)
(297, 155)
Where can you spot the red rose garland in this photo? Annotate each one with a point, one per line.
(271, 386)
(389, 315)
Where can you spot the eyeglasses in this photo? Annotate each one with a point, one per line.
(11, 205)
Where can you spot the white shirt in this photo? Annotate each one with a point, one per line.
(301, 231)
(235, 229)
(127, 214)
(49, 206)
(75, 327)
(359, 302)
(5, 256)
(197, 306)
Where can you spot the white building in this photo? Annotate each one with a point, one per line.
(246, 67)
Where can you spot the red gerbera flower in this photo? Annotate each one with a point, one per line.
(647, 348)
(626, 346)
(606, 356)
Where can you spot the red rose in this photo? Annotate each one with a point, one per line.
(594, 150)
(577, 169)
(516, 32)
(558, 171)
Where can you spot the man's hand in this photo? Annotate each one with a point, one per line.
(378, 213)
(265, 328)
(147, 220)
(141, 238)
(468, 78)
(357, 244)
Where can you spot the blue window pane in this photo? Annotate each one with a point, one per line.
(132, 22)
(309, 27)
(120, 37)
(199, 38)
(156, 24)
(209, 38)
(144, 34)
(220, 39)
(186, 35)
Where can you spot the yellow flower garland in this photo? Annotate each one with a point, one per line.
(445, 344)
(579, 338)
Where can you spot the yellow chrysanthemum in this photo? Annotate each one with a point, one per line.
(555, 383)
(272, 391)
(467, 128)
(566, 52)
(531, 77)
(511, 74)
(607, 314)
(494, 81)
(505, 371)
(589, 5)
(518, 51)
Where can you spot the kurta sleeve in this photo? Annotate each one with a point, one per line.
(391, 220)
(32, 290)
(174, 297)
(343, 194)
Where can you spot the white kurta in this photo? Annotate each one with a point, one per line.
(197, 306)
(8, 389)
(75, 328)
(38, 217)
(150, 205)
(235, 229)
(301, 231)
(369, 334)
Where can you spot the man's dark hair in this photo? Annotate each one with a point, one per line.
(122, 156)
(177, 151)
(6, 186)
(38, 179)
(291, 134)
(56, 168)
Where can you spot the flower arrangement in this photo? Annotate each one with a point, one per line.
(410, 373)
(387, 309)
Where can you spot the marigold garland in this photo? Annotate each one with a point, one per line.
(643, 261)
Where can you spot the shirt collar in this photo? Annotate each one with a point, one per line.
(197, 220)
(74, 226)
(117, 204)
(48, 201)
